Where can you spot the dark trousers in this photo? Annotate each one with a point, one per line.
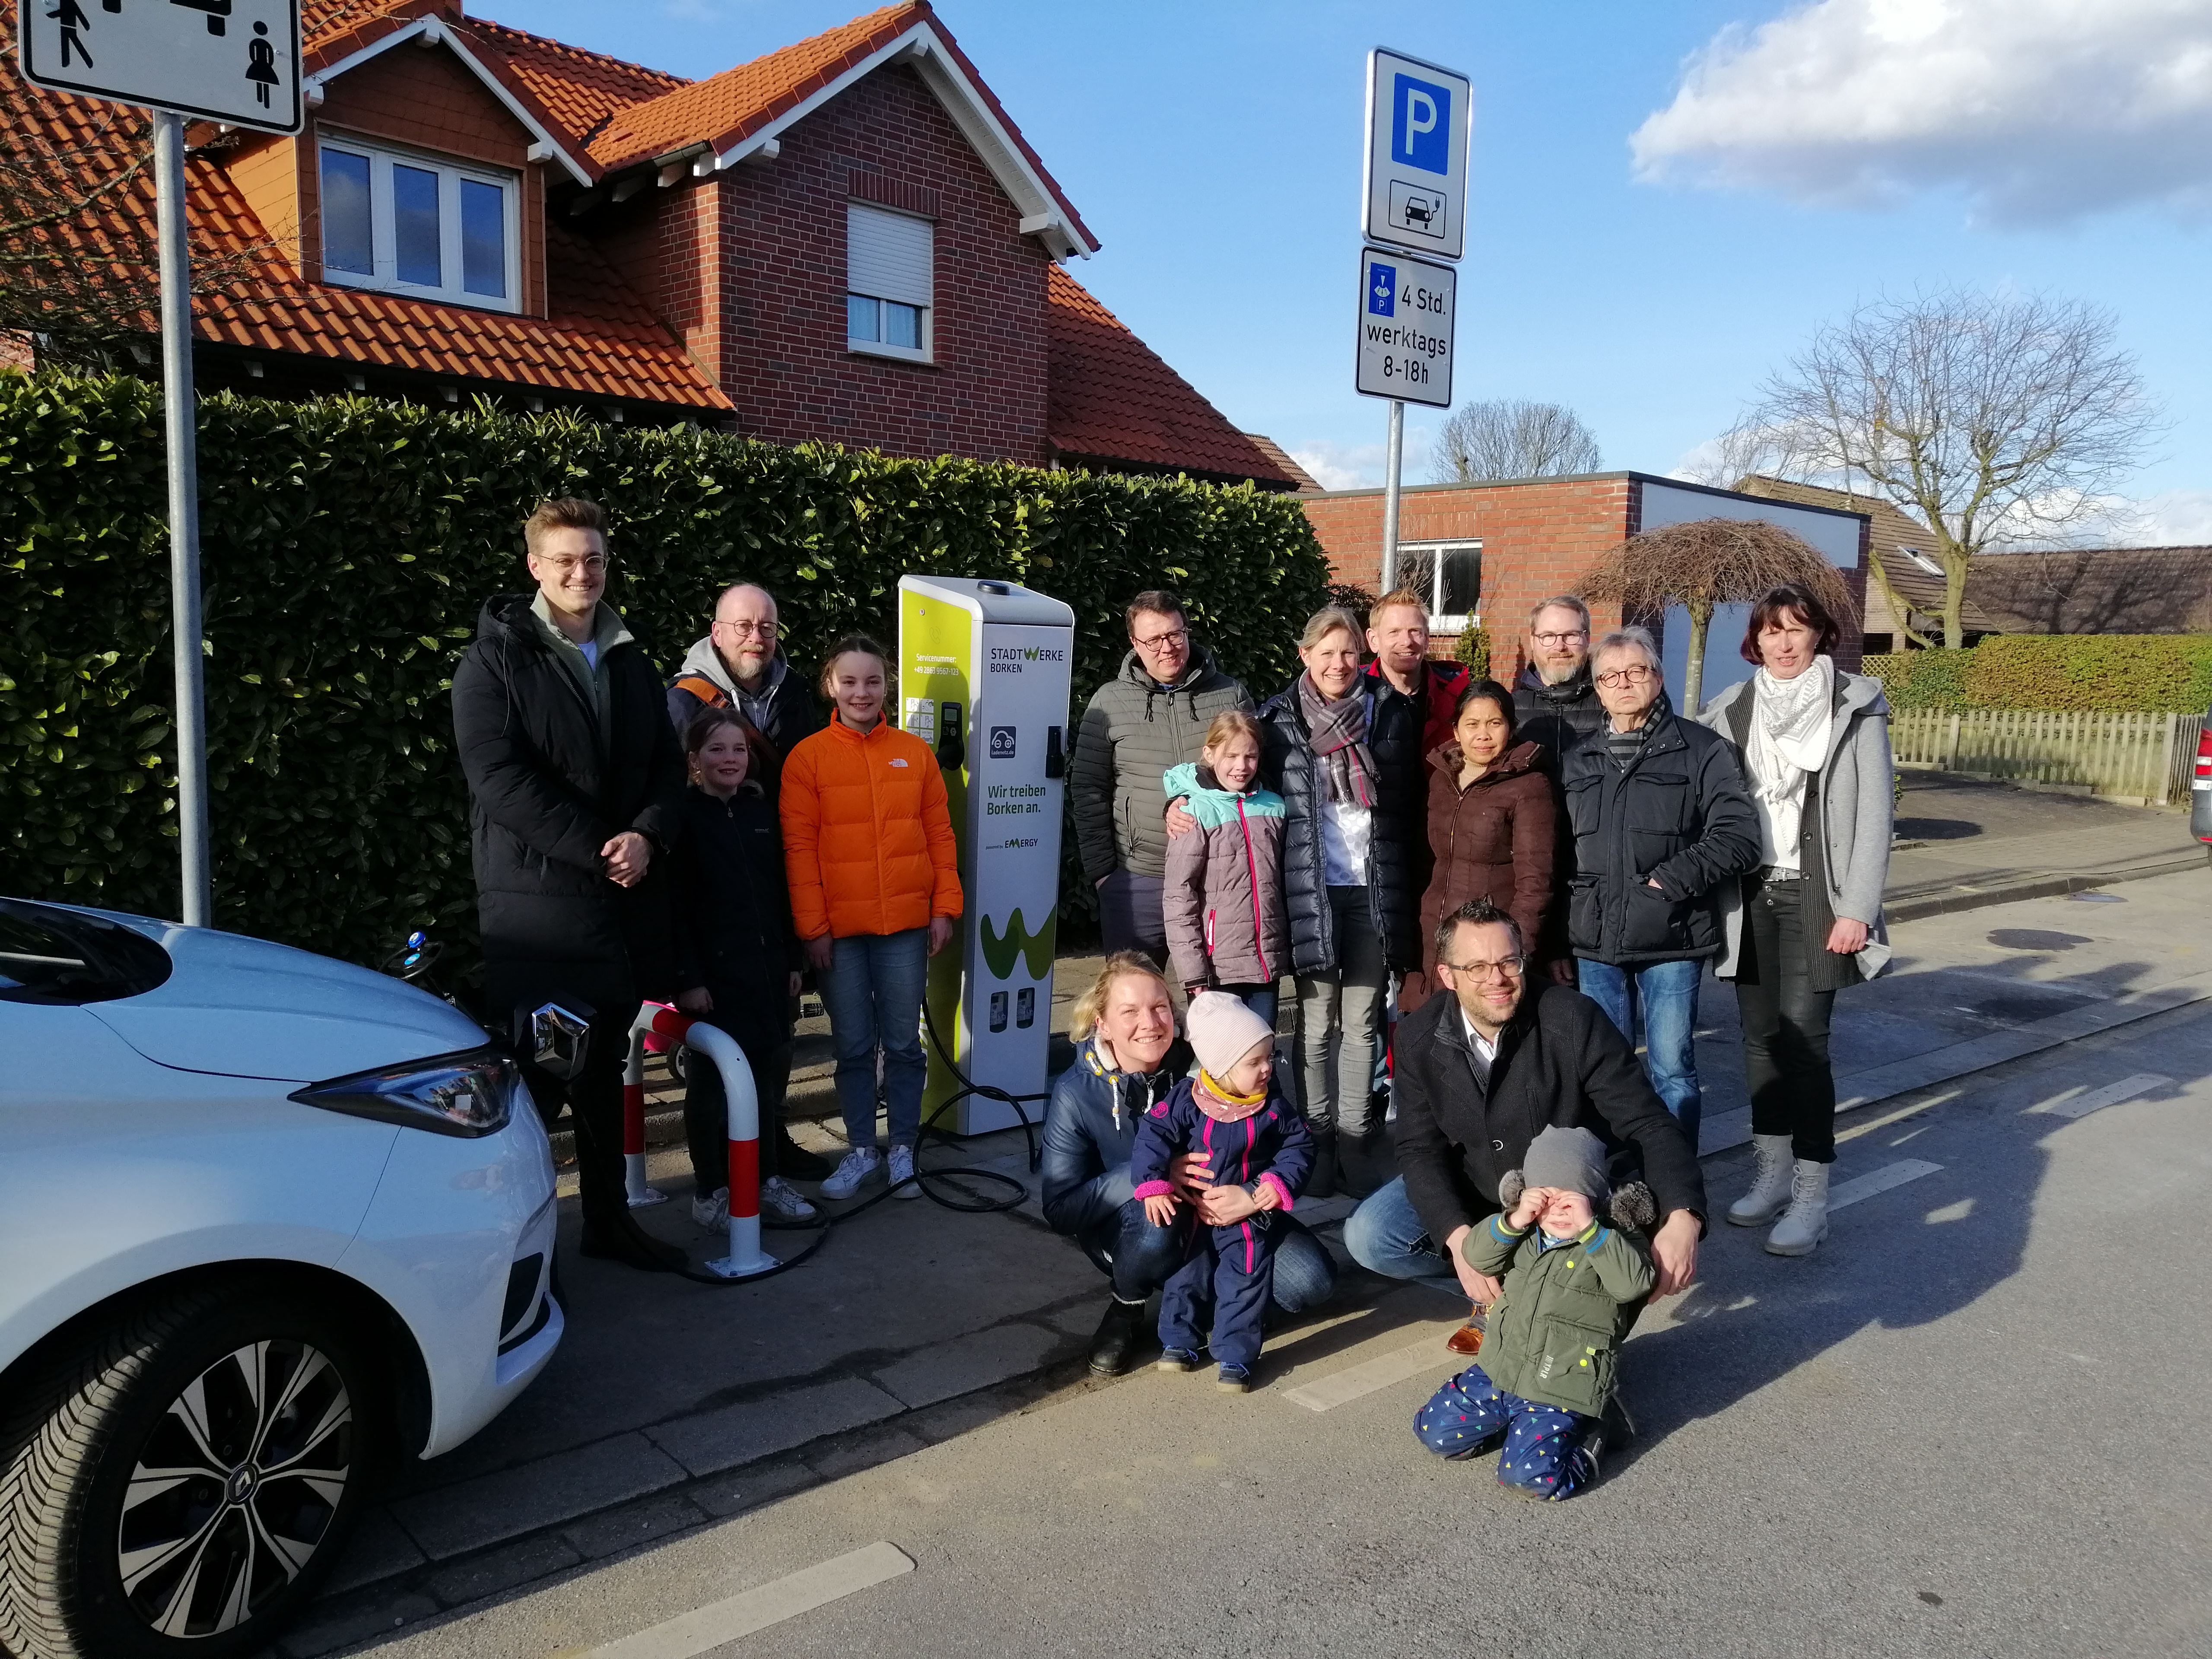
(595, 1095)
(1140, 1257)
(1131, 915)
(1785, 1023)
(1222, 1288)
(706, 1107)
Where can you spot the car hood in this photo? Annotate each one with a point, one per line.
(244, 1007)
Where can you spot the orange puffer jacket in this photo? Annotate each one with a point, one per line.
(866, 839)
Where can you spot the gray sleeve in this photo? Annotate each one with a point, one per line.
(1874, 773)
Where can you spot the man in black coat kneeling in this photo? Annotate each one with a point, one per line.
(1480, 1074)
(576, 784)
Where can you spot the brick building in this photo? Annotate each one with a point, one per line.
(846, 240)
(1484, 554)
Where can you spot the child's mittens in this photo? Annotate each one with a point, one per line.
(1633, 1208)
(1511, 1186)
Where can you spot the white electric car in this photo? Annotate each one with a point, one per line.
(265, 1220)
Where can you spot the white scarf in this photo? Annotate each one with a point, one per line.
(1791, 724)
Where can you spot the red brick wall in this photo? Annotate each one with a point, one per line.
(770, 323)
(1537, 539)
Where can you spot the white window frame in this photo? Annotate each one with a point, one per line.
(1440, 620)
(383, 239)
(926, 351)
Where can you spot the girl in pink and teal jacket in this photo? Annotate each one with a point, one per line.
(1227, 930)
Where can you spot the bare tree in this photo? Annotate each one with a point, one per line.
(1709, 561)
(1997, 420)
(80, 267)
(1511, 439)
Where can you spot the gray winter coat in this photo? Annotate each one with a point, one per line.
(1855, 796)
(1135, 730)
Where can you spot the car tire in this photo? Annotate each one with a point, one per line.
(180, 1479)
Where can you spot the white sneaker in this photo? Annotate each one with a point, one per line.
(845, 1180)
(902, 1169)
(712, 1209)
(780, 1199)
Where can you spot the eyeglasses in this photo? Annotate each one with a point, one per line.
(1509, 968)
(595, 563)
(765, 630)
(1162, 641)
(1573, 636)
(1614, 679)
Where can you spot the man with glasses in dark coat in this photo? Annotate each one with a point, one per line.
(575, 780)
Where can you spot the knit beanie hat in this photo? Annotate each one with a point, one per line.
(1222, 1030)
(1570, 1160)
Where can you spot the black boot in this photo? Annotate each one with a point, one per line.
(1116, 1337)
(794, 1162)
(1322, 1183)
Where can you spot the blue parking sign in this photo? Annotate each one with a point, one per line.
(1382, 289)
(1420, 125)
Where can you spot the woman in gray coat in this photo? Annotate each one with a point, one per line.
(1807, 922)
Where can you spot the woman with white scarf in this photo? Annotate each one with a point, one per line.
(1807, 922)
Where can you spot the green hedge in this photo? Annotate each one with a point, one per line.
(2084, 673)
(348, 547)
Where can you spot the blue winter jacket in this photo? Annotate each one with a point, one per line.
(1090, 1128)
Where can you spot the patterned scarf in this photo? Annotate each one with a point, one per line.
(1213, 1097)
(1338, 735)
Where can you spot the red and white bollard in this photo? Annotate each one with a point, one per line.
(746, 1257)
(634, 1179)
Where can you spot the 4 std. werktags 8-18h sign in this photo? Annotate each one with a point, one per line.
(1406, 308)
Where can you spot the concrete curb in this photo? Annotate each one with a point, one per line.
(2054, 885)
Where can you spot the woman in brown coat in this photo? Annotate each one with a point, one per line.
(1493, 828)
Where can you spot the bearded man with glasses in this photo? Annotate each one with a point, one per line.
(1481, 1073)
(1149, 717)
(741, 664)
(1662, 827)
(1553, 701)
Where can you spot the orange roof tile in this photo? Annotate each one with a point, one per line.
(1112, 399)
(579, 90)
(600, 340)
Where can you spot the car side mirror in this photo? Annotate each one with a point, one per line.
(560, 1040)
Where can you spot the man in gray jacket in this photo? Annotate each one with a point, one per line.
(1151, 715)
(740, 664)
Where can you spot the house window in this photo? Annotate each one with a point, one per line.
(409, 225)
(1449, 574)
(890, 264)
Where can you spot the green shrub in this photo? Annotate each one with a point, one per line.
(1474, 652)
(348, 546)
(2086, 673)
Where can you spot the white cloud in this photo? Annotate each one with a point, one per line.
(2037, 110)
(2177, 518)
(1360, 466)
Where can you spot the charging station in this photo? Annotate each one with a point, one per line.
(983, 676)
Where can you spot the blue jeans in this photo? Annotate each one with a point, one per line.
(1140, 1257)
(1667, 992)
(1260, 999)
(1385, 1236)
(873, 994)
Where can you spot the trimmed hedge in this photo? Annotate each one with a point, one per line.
(348, 547)
(2075, 673)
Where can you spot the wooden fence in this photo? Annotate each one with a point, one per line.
(2148, 758)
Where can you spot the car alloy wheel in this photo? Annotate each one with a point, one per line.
(231, 1493)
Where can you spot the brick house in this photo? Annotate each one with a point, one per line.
(846, 240)
(1484, 554)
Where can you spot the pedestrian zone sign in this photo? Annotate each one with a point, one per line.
(1406, 311)
(1418, 118)
(233, 61)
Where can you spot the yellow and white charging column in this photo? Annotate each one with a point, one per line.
(983, 672)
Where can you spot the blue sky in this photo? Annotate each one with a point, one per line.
(1214, 148)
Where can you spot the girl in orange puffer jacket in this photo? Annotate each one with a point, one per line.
(875, 888)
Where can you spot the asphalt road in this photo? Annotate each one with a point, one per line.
(1968, 1425)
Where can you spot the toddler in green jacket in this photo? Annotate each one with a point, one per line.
(1573, 1285)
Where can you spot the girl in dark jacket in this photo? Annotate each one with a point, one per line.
(736, 959)
(1493, 828)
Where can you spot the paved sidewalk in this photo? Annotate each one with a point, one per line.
(669, 1404)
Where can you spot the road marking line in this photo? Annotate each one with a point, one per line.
(717, 1622)
(1879, 1181)
(1330, 1392)
(2096, 1099)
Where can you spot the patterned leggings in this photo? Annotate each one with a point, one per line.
(1469, 1414)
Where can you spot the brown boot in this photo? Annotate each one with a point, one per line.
(1467, 1338)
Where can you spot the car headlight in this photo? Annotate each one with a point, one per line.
(465, 1094)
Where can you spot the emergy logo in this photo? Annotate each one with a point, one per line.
(1036, 949)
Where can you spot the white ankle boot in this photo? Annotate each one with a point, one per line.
(1805, 1223)
(1770, 1185)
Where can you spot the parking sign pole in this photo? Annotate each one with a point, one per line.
(1394, 465)
(180, 412)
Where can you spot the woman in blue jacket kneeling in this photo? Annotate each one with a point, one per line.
(1127, 1060)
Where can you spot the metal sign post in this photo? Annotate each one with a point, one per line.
(1413, 195)
(233, 61)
